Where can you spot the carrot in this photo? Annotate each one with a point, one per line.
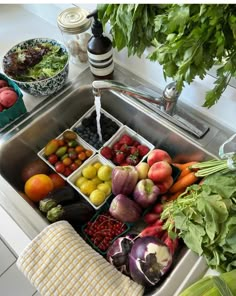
(182, 166)
(185, 172)
(184, 182)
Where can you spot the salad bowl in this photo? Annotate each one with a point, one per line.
(39, 66)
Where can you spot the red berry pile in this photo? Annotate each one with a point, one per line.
(126, 151)
(103, 230)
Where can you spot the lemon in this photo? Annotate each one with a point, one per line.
(97, 165)
(96, 180)
(105, 187)
(109, 183)
(104, 173)
(97, 197)
(89, 171)
(88, 187)
(80, 181)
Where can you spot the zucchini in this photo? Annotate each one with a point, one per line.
(61, 196)
(75, 213)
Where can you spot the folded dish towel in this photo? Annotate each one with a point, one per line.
(58, 262)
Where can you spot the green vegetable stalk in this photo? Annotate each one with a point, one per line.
(187, 39)
(204, 216)
(207, 168)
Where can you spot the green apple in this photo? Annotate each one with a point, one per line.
(142, 169)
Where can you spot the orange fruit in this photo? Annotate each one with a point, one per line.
(38, 186)
(58, 181)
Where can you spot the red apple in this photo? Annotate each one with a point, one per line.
(159, 171)
(158, 155)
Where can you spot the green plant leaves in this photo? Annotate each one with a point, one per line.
(205, 217)
(188, 39)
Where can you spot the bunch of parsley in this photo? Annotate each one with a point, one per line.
(205, 218)
(187, 39)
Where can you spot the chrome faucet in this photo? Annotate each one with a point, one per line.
(164, 105)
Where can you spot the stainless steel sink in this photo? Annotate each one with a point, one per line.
(21, 142)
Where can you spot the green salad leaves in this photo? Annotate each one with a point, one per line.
(187, 39)
(52, 63)
(37, 62)
(204, 216)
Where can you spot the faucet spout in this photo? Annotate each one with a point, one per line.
(165, 103)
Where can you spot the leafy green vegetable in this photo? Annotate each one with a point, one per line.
(37, 62)
(188, 39)
(205, 218)
(52, 63)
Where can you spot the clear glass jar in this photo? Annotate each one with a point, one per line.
(74, 26)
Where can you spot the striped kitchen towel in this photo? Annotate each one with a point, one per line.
(58, 262)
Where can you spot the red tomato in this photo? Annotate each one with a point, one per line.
(52, 158)
(60, 167)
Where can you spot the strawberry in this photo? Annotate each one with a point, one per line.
(107, 152)
(132, 159)
(124, 163)
(143, 150)
(126, 139)
(136, 143)
(116, 146)
(134, 150)
(119, 157)
(125, 148)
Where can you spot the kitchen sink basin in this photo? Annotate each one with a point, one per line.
(22, 141)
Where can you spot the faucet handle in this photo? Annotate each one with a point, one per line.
(170, 97)
(170, 92)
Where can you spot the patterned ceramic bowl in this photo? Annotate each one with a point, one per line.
(45, 80)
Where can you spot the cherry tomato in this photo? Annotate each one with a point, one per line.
(60, 167)
(67, 161)
(82, 156)
(52, 158)
(74, 166)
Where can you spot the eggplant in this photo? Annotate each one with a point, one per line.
(146, 193)
(125, 209)
(61, 196)
(124, 179)
(75, 213)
